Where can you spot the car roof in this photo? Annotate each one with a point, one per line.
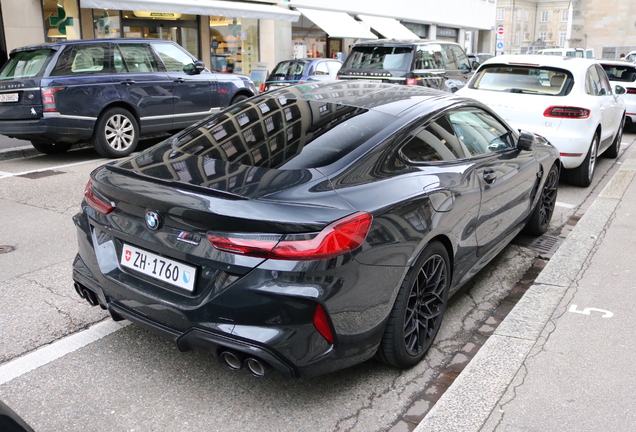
(403, 42)
(393, 99)
(54, 45)
(617, 62)
(569, 63)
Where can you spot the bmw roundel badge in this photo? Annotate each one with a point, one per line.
(153, 220)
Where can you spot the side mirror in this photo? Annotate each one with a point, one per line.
(475, 65)
(620, 90)
(194, 68)
(526, 141)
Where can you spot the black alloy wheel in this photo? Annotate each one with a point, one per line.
(542, 214)
(418, 311)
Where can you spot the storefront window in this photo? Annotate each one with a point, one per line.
(61, 20)
(180, 28)
(106, 23)
(233, 44)
(310, 47)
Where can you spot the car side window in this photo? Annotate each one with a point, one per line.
(448, 55)
(88, 59)
(428, 57)
(433, 143)
(334, 67)
(321, 69)
(173, 58)
(605, 84)
(479, 132)
(460, 57)
(138, 58)
(594, 84)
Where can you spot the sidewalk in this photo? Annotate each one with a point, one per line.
(562, 360)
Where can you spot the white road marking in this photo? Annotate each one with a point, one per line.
(4, 174)
(46, 354)
(588, 311)
(564, 205)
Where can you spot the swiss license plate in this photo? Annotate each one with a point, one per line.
(164, 269)
(9, 97)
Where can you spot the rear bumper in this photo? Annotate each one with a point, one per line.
(263, 314)
(54, 129)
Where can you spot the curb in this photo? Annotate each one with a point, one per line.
(470, 400)
(18, 152)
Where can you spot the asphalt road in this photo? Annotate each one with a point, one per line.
(65, 366)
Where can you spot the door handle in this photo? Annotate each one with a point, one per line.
(128, 82)
(490, 176)
(179, 80)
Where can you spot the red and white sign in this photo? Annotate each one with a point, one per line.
(500, 30)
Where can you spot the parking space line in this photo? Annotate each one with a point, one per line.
(564, 205)
(4, 174)
(42, 356)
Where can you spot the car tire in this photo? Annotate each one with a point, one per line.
(541, 216)
(613, 150)
(116, 133)
(418, 310)
(583, 174)
(51, 148)
(238, 98)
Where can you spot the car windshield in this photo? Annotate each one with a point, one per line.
(624, 73)
(631, 57)
(288, 68)
(379, 57)
(25, 64)
(281, 133)
(523, 79)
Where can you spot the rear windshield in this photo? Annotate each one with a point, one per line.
(524, 79)
(25, 64)
(624, 73)
(290, 68)
(269, 132)
(380, 57)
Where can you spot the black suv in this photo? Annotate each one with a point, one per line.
(437, 64)
(110, 92)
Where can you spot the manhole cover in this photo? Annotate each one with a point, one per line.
(6, 249)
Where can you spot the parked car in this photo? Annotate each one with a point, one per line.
(477, 59)
(631, 56)
(297, 71)
(568, 52)
(567, 100)
(108, 91)
(436, 64)
(624, 74)
(313, 226)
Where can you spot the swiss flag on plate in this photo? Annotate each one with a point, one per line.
(128, 255)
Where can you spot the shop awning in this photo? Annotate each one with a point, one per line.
(337, 24)
(198, 7)
(388, 27)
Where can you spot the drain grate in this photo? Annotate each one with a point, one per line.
(546, 245)
(6, 249)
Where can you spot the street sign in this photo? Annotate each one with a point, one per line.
(500, 30)
(500, 45)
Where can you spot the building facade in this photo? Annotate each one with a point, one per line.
(241, 36)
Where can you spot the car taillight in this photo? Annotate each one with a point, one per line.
(412, 81)
(48, 98)
(630, 90)
(99, 205)
(335, 239)
(566, 112)
(322, 324)
(263, 88)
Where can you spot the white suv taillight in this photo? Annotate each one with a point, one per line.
(48, 98)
